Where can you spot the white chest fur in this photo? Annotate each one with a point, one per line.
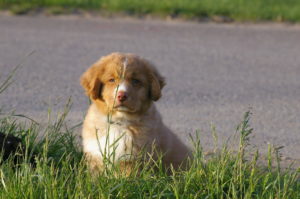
(116, 144)
(125, 139)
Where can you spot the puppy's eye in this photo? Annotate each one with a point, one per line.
(136, 82)
(111, 80)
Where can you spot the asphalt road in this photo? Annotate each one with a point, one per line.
(214, 72)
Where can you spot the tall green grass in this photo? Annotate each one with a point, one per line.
(239, 10)
(60, 171)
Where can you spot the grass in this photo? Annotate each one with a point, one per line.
(61, 172)
(238, 10)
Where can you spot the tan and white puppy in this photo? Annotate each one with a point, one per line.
(122, 119)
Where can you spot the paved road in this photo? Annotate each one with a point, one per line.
(214, 72)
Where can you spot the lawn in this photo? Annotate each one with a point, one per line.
(60, 170)
(237, 10)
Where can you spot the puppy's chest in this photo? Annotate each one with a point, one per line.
(133, 136)
(119, 141)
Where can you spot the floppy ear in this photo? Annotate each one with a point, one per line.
(157, 83)
(91, 83)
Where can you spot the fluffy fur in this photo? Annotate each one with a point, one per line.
(122, 118)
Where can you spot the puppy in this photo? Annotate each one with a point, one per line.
(9, 145)
(12, 146)
(122, 120)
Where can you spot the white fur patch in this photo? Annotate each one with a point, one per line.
(116, 145)
(122, 87)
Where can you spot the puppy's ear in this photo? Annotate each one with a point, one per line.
(91, 83)
(157, 83)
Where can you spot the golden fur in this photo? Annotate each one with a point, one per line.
(124, 87)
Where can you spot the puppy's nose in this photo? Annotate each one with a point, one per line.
(122, 96)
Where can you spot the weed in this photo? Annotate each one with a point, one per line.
(219, 10)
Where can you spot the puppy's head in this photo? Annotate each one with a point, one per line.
(123, 82)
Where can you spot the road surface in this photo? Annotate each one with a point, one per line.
(214, 72)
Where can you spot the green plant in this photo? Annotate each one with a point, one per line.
(238, 10)
(61, 172)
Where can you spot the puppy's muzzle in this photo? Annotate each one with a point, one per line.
(122, 96)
